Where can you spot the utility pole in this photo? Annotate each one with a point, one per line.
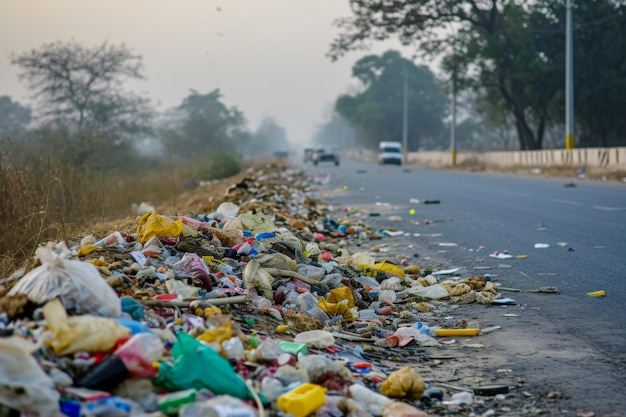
(453, 122)
(453, 107)
(405, 112)
(569, 77)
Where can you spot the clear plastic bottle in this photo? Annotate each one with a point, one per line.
(139, 353)
(261, 303)
(233, 348)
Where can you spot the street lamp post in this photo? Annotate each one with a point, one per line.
(569, 77)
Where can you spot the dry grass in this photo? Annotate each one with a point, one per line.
(40, 202)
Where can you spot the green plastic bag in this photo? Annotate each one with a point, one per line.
(198, 366)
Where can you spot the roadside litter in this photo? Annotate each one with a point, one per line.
(256, 308)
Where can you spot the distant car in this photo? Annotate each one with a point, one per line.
(308, 154)
(390, 153)
(325, 155)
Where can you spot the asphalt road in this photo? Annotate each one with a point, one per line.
(577, 343)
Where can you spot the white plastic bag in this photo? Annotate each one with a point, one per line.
(77, 284)
(25, 386)
(434, 292)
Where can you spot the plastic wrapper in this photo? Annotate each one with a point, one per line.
(77, 284)
(25, 386)
(80, 333)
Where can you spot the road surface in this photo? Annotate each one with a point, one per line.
(568, 344)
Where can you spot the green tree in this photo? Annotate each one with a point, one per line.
(14, 118)
(202, 124)
(513, 52)
(489, 47)
(377, 111)
(83, 86)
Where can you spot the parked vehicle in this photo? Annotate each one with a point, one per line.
(325, 155)
(308, 154)
(390, 153)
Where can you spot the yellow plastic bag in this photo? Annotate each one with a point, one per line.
(336, 309)
(405, 383)
(337, 295)
(80, 333)
(152, 224)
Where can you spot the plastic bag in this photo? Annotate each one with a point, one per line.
(404, 383)
(255, 277)
(228, 210)
(276, 260)
(218, 407)
(193, 265)
(318, 339)
(152, 224)
(434, 292)
(371, 400)
(78, 284)
(25, 386)
(193, 361)
(80, 333)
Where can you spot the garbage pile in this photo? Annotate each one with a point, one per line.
(255, 308)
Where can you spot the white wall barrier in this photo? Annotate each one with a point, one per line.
(598, 159)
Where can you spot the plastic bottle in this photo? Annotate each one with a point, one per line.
(133, 359)
(463, 397)
(139, 353)
(233, 348)
(261, 303)
(373, 401)
(271, 388)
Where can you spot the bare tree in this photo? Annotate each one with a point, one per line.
(77, 83)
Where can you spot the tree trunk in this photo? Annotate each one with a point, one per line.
(514, 100)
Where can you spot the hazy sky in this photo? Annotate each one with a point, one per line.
(267, 57)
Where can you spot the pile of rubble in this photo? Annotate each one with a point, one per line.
(255, 303)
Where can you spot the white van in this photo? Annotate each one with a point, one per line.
(390, 153)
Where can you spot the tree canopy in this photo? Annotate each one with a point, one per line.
(513, 52)
(202, 124)
(377, 111)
